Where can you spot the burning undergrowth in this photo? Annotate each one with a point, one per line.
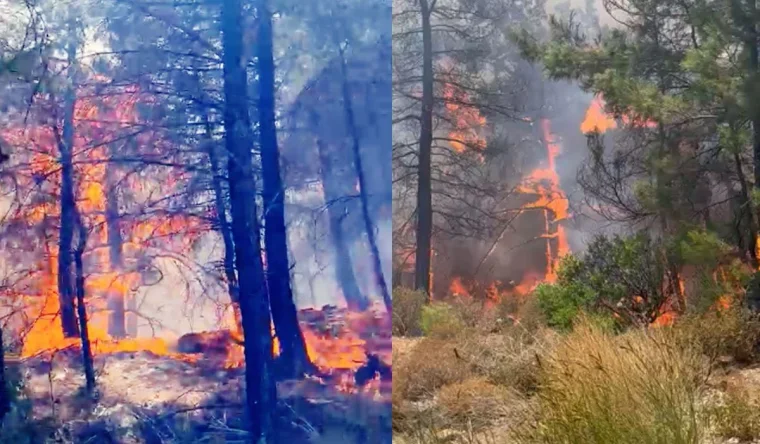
(175, 389)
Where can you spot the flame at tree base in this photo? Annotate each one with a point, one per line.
(338, 352)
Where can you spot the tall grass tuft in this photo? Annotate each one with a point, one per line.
(642, 387)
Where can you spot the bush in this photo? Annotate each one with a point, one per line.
(624, 274)
(407, 311)
(472, 314)
(525, 313)
(562, 304)
(440, 320)
(733, 332)
(642, 387)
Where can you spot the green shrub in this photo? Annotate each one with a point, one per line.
(620, 276)
(561, 304)
(441, 320)
(407, 311)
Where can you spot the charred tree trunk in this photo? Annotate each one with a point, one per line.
(377, 264)
(84, 335)
(261, 396)
(221, 220)
(68, 204)
(5, 403)
(424, 177)
(336, 212)
(284, 313)
(117, 327)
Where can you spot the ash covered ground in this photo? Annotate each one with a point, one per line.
(147, 398)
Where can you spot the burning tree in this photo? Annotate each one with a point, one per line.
(669, 132)
(495, 153)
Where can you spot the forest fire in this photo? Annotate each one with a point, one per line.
(111, 281)
(542, 186)
(544, 182)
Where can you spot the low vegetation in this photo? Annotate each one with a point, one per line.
(584, 363)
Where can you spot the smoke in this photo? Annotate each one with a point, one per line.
(605, 19)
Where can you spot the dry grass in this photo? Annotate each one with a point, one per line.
(732, 333)
(643, 387)
(428, 367)
(474, 403)
(533, 386)
(509, 359)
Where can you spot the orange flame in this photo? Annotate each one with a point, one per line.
(465, 119)
(544, 182)
(598, 120)
(94, 123)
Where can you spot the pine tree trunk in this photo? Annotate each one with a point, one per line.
(754, 67)
(336, 212)
(66, 233)
(377, 264)
(261, 397)
(89, 369)
(424, 176)
(284, 312)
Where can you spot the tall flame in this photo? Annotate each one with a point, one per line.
(94, 123)
(545, 184)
